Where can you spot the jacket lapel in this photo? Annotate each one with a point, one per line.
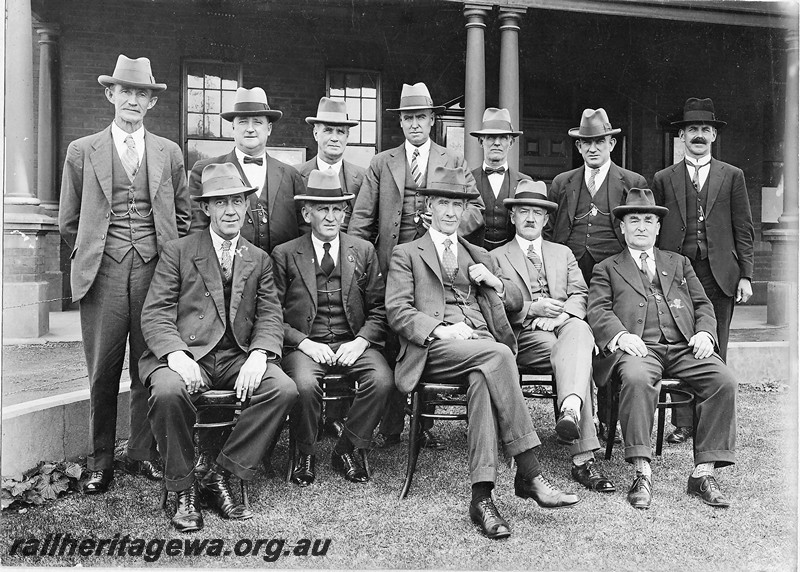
(573, 188)
(101, 161)
(516, 258)
(155, 157)
(552, 270)
(678, 179)
(350, 183)
(275, 176)
(429, 255)
(346, 265)
(243, 266)
(629, 270)
(207, 264)
(304, 260)
(665, 268)
(397, 166)
(716, 175)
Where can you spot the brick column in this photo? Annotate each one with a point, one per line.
(46, 184)
(474, 81)
(509, 69)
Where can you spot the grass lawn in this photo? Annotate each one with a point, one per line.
(370, 528)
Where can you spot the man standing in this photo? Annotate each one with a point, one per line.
(650, 315)
(550, 327)
(446, 301)
(123, 196)
(495, 180)
(212, 321)
(332, 294)
(709, 222)
(271, 218)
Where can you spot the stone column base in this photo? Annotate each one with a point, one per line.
(25, 315)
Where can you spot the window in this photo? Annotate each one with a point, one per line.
(361, 92)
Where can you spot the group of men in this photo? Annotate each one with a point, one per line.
(261, 278)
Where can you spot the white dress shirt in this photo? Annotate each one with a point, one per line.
(705, 168)
(217, 240)
(256, 174)
(524, 243)
(438, 241)
(601, 175)
(651, 261)
(319, 250)
(323, 166)
(424, 153)
(118, 135)
(496, 179)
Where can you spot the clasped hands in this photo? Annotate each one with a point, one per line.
(346, 355)
(702, 344)
(548, 314)
(247, 381)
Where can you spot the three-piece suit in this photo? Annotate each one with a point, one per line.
(497, 228)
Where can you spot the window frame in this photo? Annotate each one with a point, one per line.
(378, 102)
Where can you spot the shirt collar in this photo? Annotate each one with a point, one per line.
(701, 162)
(487, 166)
(438, 237)
(323, 166)
(318, 243)
(217, 240)
(635, 254)
(424, 149)
(602, 170)
(524, 243)
(119, 135)
(240, 155)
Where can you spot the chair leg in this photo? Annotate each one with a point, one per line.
(613, 416)
(163, 495)
(292, 454)
(413, 441)
(555, 406)
(245, 497)
(662, 410)
(365, 461)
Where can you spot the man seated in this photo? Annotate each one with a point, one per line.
(550, 328)
(445, 299)
(331, 290)
(652, 318)
(212, 320)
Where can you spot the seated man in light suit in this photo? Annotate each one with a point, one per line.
(446, 302)
(652, 318)
(212, 320)
(550, 328)
(331, 290)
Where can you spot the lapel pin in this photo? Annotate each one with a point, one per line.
(663, 273)
(350, 258)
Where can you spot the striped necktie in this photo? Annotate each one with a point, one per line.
(130, 158)
(696, 175)
(449, 261)
(534, 258)
(416, 173)
(591, 185)
(227, 261)
(644, 267)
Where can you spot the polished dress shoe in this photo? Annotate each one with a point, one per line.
(680, 435)
(304, 471)
(147, 469)
(333, 427)
(188, 517)
(707, 489)
(98, 482)
(205, 461)
(429, 440)
(543, 492)
(381, 441)
(590, 477)
(214, 488)
(641, 492)
(351, 469)
(485, 514)
(567, 425)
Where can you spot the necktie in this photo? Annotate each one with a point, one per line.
(695, 176)
(498, 170)
(257, 160)
(592, 175)
(534, 258)
(327, 260)
(449, 260)
(130, 159)
(227, 261)
(644, 267)
(415, 170)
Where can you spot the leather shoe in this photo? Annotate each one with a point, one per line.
(429, 440)
(304, 471)
(543, 492)
(707, 489)
(381, 441)
(680, 435)
(98, 482)
(567, 425)
(205, 461)
(351, 469)
(641, 492)
(333, 427)
(602, 434)
(148, 469)
(188, 517)
(214, 487)
(485, 514)
(590, 477)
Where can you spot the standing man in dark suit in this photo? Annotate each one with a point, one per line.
(495, 180)
(447, 302)
(123, 196)
(651, 317)
(212, 321)
(709, 222)
(271, 216)
(390, 209)
(332, 290)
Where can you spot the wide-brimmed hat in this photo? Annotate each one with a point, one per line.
(639, 201)
(331, 112)
(496, 122)
(446, 182)
(532, 194)
(135, 73)
(416, 96)
(251, 103)
(594, 123)
(699, 111)
(324, 187)
(222, 180)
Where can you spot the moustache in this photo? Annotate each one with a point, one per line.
(699, 140)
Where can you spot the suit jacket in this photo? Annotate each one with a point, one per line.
(362, 288)
(564, 279)
(415, 303)
(376, 216)
(514, 177)
(729, 224)
(282, 184)
(565, 190)
(185, 306)
(353, 177)
(618, 302)
(85, 205)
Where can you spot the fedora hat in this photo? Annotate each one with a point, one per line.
(331, 112)
(324, 187)
(416, 96)
(251, 103)
(699, 111)
(135, 73)
(496, 122)
(222, 180)
(639, 201)
(450, 183)
(594, 123)
(532, 194)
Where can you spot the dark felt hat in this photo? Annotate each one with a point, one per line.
(699, 111)
(450, 183)
(639, 201)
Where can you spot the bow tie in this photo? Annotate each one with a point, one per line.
(257, 160)
(498, 170)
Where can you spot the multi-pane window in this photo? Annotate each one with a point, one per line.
(361, 92)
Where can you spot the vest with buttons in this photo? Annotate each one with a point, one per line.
(538, 280)
(498, 226)
(659, 325)
(330, 324)
(593, 233)
(258, 214)
(460, 295)
(135, 228)
(413, 203)
(695, 242)
(228, 340)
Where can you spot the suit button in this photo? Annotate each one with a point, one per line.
(639, 321)
(260, 234)
(398, 213)
(641, 304)
(395, 224)
(679, 248)
(250, 220)
(436, 313)
(394, 236)
(660, 313)
(308, 318)
(202, 316)
(108, 214)
(683, 228)
(207, 294)
(192, 337)
(590, 224)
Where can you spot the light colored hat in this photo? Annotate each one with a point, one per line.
(222, 180)
(699, 111)
(594, 123)
(251, 103)
(416, 96)
(331, 112)
(639, 201)
(531, 193)
(496, 122)
(324, 187)
(135, 73)
(451, 183)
